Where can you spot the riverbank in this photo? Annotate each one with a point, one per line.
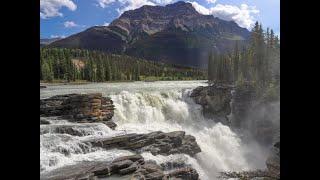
(61, 83)
(80, 82)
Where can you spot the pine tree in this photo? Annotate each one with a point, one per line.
(236, 62)
(47, 72)
(210, 68)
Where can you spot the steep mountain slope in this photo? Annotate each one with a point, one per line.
(46, 41)
(174, 33)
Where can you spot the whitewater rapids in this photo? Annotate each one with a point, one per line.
(143, 107)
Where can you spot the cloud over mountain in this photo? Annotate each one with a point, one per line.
(244, 15)
(51, 8)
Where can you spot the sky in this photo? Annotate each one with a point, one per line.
(62, 18)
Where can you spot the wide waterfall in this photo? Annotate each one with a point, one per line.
(143, 107)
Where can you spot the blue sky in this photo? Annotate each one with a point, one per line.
(61, 18)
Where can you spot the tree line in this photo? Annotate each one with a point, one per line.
(258, 62)
(94, 66)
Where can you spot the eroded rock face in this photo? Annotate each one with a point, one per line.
(126, 165)
(79, 108)
(215, 101)
(249, 113)
(155, 142)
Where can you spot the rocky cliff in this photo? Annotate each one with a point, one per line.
(215, 101)
(240, 108)
(80, 108)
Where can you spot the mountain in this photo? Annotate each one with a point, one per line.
(47, 41)
(175, 33)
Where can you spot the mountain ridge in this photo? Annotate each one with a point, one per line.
(175, 33)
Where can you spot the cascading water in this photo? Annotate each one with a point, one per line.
(142, 108)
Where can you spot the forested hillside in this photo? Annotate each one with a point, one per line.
(258, 64)
(95, 66)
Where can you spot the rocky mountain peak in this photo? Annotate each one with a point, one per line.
(175, 9)
(152, 19)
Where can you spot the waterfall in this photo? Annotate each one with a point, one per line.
(141, 108)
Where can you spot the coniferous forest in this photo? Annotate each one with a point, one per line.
(257, 64)
(94, 66)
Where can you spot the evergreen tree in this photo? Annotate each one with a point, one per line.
(236, 62)
(210, 67)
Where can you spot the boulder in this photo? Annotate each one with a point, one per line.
(126, 165)
(71, 129)
(186, 173)
(152, 171)
(215, 101)
(155, 142)
(43, 121)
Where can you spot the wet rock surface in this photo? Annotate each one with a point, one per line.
(215, 101)
(81, 129)
(155, 142)
(248, 175)
(273, 161)
(82, 108)
(271, 173)
(133, 165)
(248, 112)
(43, 121)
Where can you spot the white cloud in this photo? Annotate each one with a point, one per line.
(162, 2)
(106, 24)
(133, 4)
(243, 15)
(50, 8)
(57, 36)
(201, 9)
(211, 1)
(126, 5)
(70, 24)
(105, 3)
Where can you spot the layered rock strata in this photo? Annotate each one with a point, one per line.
(133, 166)
(158, 142)
(81, 108)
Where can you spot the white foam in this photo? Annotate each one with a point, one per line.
(160, 106)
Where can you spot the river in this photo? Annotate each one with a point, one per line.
(143, 107)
